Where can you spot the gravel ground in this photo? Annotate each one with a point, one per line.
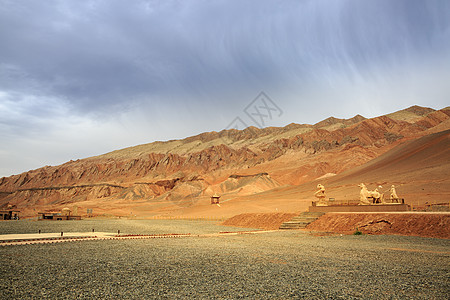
(283, 264)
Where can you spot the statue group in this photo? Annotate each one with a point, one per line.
(366, 197)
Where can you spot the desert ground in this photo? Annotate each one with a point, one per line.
(276, 264)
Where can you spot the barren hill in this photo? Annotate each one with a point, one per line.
(418, 168)
(177, 177)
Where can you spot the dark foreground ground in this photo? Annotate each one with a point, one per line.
(280, 265)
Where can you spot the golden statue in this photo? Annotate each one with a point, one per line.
(393, 197)
(320, 194)
(374, 196)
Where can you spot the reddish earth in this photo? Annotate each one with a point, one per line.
(263, 221)
(254, 170)
(435, 225)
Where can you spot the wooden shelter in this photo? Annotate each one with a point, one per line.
(9, 214)
(215, 199)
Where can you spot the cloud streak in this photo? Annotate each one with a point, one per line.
(167, 69)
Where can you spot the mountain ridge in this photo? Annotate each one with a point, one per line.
(197, 166)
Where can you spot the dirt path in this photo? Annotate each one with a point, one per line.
(50, 238)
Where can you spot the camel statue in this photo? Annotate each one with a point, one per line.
(365, 194)
(393, 197)
(320, 194)
(377, 196)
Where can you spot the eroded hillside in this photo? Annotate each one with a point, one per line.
(232, 163)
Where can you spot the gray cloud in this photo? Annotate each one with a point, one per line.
(97, 53)
(181, 67)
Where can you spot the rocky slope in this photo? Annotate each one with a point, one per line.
(231, 162)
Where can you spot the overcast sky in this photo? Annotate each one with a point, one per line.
(82, 78)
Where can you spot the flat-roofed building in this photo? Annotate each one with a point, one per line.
(9, 214)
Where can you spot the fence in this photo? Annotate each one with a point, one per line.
(184, 218)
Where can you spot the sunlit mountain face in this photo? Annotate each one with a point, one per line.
(252, 170)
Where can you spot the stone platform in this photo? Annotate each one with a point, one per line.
(361, 208)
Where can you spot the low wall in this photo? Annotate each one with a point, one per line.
(361, 208)
(436, 225)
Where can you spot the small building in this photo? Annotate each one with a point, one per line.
(9, 214)
(215, 199)
(65, 214)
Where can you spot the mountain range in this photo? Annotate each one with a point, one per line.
(253, 170)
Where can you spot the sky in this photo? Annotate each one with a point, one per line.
(82, 78)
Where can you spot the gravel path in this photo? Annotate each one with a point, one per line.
(283, 264)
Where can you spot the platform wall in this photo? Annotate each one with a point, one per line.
(361, 208)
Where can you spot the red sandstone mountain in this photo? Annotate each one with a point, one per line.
(177, 177)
